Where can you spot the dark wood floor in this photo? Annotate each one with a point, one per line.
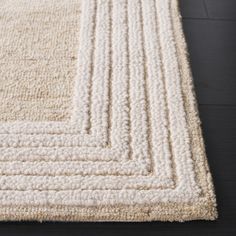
(210, 28)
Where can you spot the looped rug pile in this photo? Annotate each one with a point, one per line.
(98, 119)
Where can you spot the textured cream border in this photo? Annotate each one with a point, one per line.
(204, 208)
(181, 150)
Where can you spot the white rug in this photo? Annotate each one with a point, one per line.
(98, 116)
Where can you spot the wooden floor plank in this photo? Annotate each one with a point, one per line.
(212, 50)
(221, 9)
(193, 8)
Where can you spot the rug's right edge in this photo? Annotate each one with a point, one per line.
(198, 148)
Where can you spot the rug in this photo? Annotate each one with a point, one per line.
(98, 117)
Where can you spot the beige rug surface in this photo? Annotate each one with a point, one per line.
(98, 117)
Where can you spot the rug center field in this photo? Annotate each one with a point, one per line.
(38, 55)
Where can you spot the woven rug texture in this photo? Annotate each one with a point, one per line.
(98, 116)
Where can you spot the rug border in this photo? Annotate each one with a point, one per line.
(205, 208)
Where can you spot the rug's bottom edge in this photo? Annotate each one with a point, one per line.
(174, 212)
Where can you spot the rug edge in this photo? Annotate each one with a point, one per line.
(193, 112)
